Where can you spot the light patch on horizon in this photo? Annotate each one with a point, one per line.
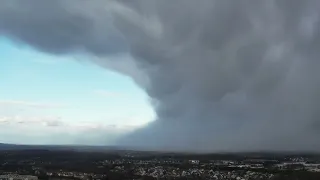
(60, 132)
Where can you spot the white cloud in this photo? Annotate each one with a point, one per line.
(53, 122)
(9, 103)
(84, 126)
(27, 120)
(25, 129)
(4, 120)
(53, 130)
(107, 94)
(44, 61)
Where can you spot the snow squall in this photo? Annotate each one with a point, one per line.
(222, 75)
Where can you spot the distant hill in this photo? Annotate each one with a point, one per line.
(18, 147)
(113, 149)
(4, 146)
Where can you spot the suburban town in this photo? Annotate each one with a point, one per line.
(65, 164)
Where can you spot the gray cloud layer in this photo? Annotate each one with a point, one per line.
(223, 75)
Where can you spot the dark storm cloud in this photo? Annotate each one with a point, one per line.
(60, 26)
(223, 75)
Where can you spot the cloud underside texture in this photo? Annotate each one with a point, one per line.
(222, 75)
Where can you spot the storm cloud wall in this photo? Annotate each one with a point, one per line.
(222, 75)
